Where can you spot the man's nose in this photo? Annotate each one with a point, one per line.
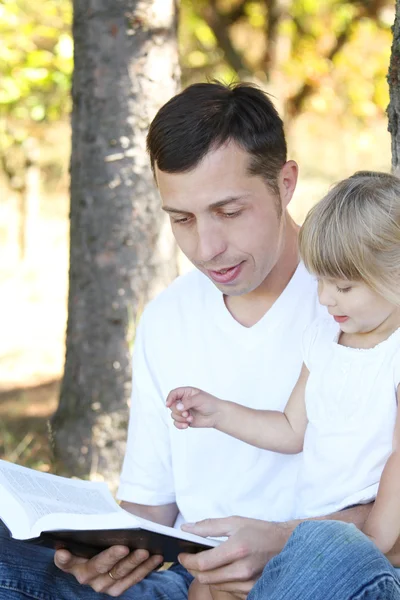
(210, 242)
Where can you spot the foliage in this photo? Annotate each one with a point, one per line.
(36, 60)
(327, 55)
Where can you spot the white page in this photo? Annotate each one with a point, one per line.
(54, 503)
(42, 494)
(13, 515)
(120, 519)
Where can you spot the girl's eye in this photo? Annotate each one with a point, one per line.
(344, 290)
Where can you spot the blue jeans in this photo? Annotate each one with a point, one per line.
(328, 560)
(324, 560)
(28, 572)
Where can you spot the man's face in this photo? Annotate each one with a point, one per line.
(224, 220)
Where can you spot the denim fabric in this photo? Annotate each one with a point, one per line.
(28, 572)
(328, 560)
(323, 560)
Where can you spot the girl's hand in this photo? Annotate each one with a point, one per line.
(191, 407)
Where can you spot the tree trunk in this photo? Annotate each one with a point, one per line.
(29, 201)
(394, 91)
(126, 67)
(274, 15)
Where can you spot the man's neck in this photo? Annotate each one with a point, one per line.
(250, 308)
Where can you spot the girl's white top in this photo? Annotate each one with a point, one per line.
(351, 408)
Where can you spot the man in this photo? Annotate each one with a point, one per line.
(230, 326)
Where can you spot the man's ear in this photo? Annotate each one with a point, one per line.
(287, 182)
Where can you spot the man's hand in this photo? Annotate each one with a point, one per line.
(126, 568)
(191, 407)
(236, 564)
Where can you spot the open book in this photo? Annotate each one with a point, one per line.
(81, 516)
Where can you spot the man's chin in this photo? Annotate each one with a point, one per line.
(238, 289)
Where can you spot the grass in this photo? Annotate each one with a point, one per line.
(24, 415)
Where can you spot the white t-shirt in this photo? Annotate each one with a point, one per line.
(188, 337)
(351, 407)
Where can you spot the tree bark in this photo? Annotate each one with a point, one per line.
(122, 253)
(394, 92)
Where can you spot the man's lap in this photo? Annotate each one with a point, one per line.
(320, 557)
(328, 560)
(28, 571)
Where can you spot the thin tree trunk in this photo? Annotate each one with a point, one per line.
(274, 15)
(126, 66)
(394, 91)
(29, 201)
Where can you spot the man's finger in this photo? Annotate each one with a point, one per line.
(120, 586)
(212, 527)
(131, 562)
(85, 570)
(235, 576)
(64, 560)
(209, 560)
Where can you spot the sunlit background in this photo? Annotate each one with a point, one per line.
(324, 61)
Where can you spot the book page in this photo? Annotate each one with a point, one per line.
(54, 503)
(42, 494)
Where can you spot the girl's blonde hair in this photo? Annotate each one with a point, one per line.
(354, 233)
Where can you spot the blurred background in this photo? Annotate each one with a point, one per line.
(325, 62)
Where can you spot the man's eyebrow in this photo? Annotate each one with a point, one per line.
(213, 206)
(226, 201)
(176, 211)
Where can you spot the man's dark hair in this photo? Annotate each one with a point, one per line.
(204, 116)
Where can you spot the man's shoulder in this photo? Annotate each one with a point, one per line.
(302, 289)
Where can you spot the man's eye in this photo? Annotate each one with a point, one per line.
(181, 221)
(232, 215)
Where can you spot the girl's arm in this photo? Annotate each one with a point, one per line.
(267, 429)
(383, 522)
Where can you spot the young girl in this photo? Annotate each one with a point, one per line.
(342, 413)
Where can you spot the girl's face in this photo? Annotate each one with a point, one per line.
(356, 307)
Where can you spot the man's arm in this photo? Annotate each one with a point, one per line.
(236, 564)
(127, 568)
(165, 514)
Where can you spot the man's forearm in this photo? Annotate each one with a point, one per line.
(164, 514)
(356, 514)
